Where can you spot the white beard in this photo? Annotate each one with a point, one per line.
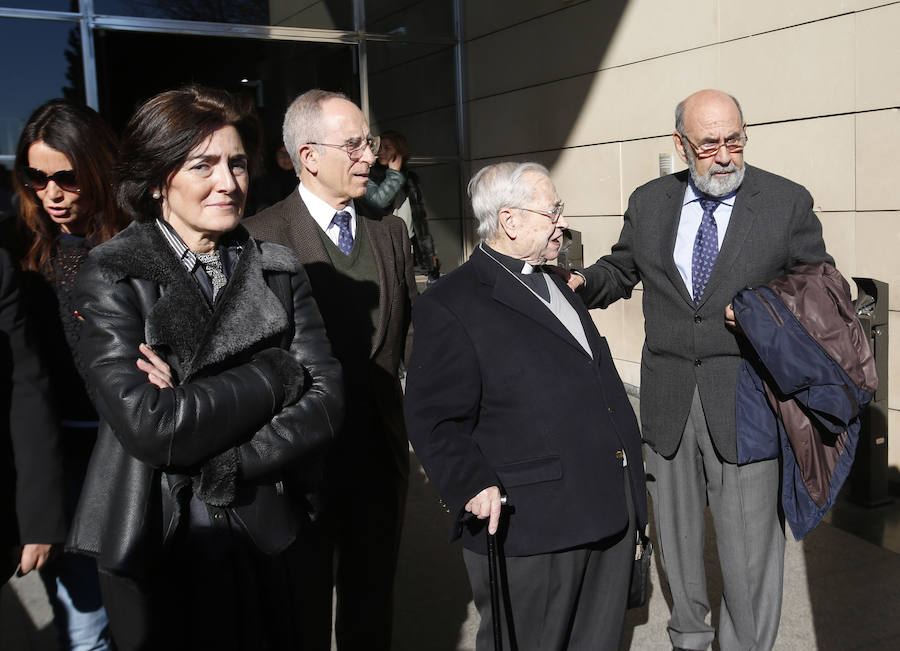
(712, 185)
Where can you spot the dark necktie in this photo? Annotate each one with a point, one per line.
(212, 265)
(706, 248)
(345, 237)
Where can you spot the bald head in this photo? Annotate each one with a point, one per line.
(710, 137)
(705, 102)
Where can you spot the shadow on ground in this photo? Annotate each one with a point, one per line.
(432, 603)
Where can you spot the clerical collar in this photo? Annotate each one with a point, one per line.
(513, 264)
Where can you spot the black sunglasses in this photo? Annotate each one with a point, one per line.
(38, 180)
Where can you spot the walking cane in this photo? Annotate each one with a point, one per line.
(495, 578)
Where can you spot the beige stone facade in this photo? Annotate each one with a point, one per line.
(589, 88)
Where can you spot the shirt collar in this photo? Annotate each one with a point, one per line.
(320, 210)
(185, 255)
(692, 194)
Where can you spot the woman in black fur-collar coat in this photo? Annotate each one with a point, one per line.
(213, 376)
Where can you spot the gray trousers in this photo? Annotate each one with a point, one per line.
(749, 537)
(573, 599)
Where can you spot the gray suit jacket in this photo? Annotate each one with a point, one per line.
(289, 223)
(772, 229)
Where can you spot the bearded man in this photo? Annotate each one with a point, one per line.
(694, 239)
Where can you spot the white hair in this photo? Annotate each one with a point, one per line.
(499, 186)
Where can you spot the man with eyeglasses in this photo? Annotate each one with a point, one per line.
(694, 239)
(361, 271)
(512, 391)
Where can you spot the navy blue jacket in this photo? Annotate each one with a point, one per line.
(803, 386)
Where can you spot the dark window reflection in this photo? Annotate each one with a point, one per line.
(412, 90)
(275, 71)
(272, 73)
(413, 18)
(46, 5)
(440, 191)
(324, 14)
(52, 51)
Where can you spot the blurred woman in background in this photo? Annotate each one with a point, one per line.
(63, 173)
(394, 188)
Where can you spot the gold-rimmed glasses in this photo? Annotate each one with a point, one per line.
(709, 149)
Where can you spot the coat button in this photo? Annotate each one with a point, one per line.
(697, 318)
(698, 362)
(611, 410)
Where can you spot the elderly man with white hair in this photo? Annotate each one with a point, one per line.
(512, 391)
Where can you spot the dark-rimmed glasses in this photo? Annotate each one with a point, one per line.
(356, 147)
(552, 215)
(38, 180)
(710, 149)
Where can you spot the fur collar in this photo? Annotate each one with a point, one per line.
(181, 320)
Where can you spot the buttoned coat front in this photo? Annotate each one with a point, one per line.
(500, 393)
(289, 223)
(772, 229)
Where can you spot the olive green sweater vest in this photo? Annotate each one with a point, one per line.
(351, 306)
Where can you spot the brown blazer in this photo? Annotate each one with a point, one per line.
(289, 222)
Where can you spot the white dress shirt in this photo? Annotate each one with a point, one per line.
(689, 224)
(322, 213)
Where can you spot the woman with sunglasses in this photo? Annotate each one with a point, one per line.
(201, 478)
(67, 206)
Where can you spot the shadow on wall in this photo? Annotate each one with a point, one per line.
(530, 42)
(566, 44)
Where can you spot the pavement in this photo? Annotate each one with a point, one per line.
(841, 593)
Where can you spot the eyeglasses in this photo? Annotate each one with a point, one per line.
(552, 215)
(710, 149)
(38, 180)
(356, 147)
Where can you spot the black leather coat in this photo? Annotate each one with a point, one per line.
(232, 430)
(32, 497)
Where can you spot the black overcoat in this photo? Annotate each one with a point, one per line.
(499, 393)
